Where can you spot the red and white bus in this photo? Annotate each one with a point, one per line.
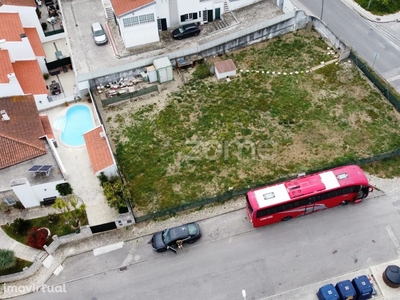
(307, 194)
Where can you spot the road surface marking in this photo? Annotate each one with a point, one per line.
(108, 248)
(394, 239)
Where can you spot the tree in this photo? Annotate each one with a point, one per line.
(69, 206)
(7, 259)
(21, 226)
(37, 237)
(116, 194)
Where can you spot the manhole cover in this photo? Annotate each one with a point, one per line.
(123, 269)
(378, 19)
(391, 276)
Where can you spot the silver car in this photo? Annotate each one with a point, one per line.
(99, 34)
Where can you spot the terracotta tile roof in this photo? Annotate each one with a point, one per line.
(5, 66)
(98, 150)
(124, 6)
(10, 27)
(225, 66)
(35, 42)
(19, 137)
(30, 77)
(20, 2)
(47, 126)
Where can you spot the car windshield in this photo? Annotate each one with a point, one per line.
(192, 229)
(166, 237)
(99, 32)
(181, 29)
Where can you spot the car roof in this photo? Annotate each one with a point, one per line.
(189, 25)
(96, 26)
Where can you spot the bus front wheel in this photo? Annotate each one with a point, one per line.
(345, 202)
(286, 218)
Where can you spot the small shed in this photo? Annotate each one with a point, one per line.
(224, 69)
(164, 69)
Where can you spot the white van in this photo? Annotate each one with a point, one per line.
(99, 34)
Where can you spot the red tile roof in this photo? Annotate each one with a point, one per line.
(20, 2)
(35, 42)
(124, 6)
(46, 126)
(5, 66)
(19, 136)
(225, 66)
(10, 27)
(98, 150)
(30, 77)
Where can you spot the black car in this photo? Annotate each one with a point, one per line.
(185, 31)
(173, 238)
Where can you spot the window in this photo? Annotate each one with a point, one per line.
(128, 22)
(9, 200)
(189, 16)
(136, 20)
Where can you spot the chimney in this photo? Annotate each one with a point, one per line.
(102, 135)
(4, 116)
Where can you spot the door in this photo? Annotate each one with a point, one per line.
(217, 13)
(163, 24)
(205, 16)
(210, 15)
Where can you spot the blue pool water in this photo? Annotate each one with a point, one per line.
(76, 122)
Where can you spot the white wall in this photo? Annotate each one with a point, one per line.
(240, 3)
(42, 101)
(12, 88)
(141, 34)
(19, 50)
(225, 74)
(24, 192)
(162, 11)
(42, 64)
(109, 172)
(46, 190)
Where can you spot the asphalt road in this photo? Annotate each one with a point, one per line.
(232, 256)
(377, 43)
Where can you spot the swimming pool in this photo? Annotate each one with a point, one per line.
(74, 124)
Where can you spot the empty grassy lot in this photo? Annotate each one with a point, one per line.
(211, 136)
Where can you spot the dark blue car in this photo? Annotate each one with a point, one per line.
(173, 238)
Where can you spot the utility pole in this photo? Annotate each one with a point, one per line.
(369, 3)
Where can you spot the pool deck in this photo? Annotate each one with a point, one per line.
(79, 171)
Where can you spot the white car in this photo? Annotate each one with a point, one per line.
(99, 34)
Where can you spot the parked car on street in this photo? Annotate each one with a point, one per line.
(173, 238)
(99, 34)
(186, 31)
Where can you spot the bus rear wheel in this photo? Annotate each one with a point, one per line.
(286, 218)
(345, 202)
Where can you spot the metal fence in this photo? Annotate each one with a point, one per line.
(235, 193)
(382, 85)
(126, 96)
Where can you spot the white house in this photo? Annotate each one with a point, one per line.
(140, 20)
(225, 69)
(27, 11)
(137, 21)
(23, 59)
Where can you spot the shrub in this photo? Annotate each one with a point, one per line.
(37, 238)
(46, 76)
(21, 226)
(102, 178)
(7, 259)
(202, 71)
(64, 189)
(44, 26)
